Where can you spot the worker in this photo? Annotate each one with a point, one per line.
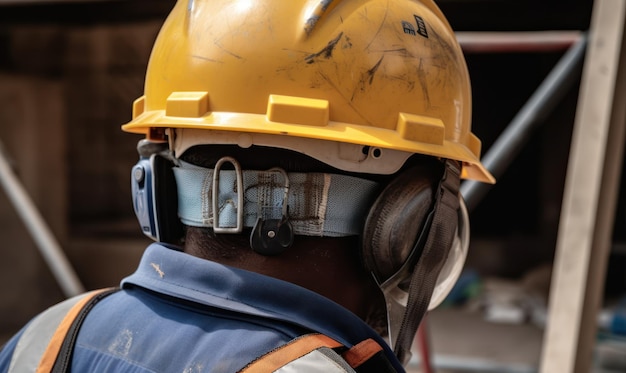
(299, 170)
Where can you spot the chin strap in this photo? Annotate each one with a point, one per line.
(438, 243)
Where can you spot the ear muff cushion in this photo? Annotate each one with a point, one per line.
(396, 220)
(166, 196)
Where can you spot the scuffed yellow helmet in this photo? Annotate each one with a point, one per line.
(373, 75)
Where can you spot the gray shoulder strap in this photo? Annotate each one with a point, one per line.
(35, 339)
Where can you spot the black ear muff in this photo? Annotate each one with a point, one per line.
(396, 220)
(407, 237)
(170, 229)
(153, 189)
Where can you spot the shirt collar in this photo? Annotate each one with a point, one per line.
(166, 270)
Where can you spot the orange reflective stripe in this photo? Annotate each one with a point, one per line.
(52, 351)
(362, 352)
(289, 352)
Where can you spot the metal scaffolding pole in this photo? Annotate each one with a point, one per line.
(516, 41)
(45, 240)
(549, 93)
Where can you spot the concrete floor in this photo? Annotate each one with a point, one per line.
(463, 341)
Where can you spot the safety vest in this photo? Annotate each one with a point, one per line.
(46, 345)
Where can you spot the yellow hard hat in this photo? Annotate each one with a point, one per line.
(379, 74)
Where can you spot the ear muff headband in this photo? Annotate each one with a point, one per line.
(428, 253)
(424, 277)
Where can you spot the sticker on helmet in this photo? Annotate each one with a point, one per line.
(421, 26)
(410, 29)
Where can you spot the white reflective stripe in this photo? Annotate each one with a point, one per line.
(320, 204)
(34, 341)
(321, 360)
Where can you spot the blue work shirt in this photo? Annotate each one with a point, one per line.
(180, 313)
